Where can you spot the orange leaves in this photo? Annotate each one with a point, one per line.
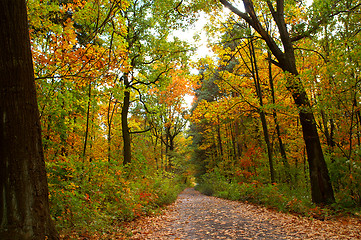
(175, 91)
(67, 44)
(153, 91)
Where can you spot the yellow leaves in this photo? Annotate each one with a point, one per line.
(295, 14)
(135, 125)
(69, 34)
(78, 3)
(72, 186)
(123, 4)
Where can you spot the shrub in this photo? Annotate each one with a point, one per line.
(96, 195)
(167, 187)
(280, 197)
(212, 183)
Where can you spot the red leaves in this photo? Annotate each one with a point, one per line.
(87, 197)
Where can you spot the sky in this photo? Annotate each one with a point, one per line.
(188, 35)
(201, 45)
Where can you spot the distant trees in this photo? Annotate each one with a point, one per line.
(259, 42)
(322, 191)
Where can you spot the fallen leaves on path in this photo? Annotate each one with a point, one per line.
(196, 216)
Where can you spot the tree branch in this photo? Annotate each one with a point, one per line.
(256, 25)
(141, 131)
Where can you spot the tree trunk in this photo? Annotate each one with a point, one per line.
(171, 147)
(262, 114)
(166, 143)
(321, 188)
(87, 121)
(127, 154)
(325, 119)
(110, 114)
(24, 206)
(161, 153)
(219, 139)
(233, 142)
(275, 119)
(237, 133)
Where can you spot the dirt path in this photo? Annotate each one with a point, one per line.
(196, 216)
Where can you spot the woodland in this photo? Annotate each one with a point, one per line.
(275, 118)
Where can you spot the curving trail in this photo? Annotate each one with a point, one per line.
(196, 216)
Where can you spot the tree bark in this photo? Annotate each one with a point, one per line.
(325, 118)
(275, 119)
(219, 139)
(24, 206)
(321, 188)
(170, 147)
(262, 114)
(127, 154)
(110, 114)
(87, 121)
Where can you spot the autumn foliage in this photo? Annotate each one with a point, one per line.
(111, 80)
(245, 124)
(98, 68)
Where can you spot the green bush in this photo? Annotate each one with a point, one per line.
(346, 179)
(167, 187)
(96, 195)
(280, 197)
(212, 183)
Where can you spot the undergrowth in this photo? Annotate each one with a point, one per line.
(98, 195)
(276, 196)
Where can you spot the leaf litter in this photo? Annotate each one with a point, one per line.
(197, 216)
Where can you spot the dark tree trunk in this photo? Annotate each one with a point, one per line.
(24, 206)
(161, 153)
(321, 188)
(219, 139)
(87, 121)
(262, 114)
(127, 154)
(328, 134)
(170, 150)
(233, 141)
(325, 118)
(237, 133)
(166, 143)
(275, 119)
(110, 114)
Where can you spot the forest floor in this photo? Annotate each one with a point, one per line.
(196, 216)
